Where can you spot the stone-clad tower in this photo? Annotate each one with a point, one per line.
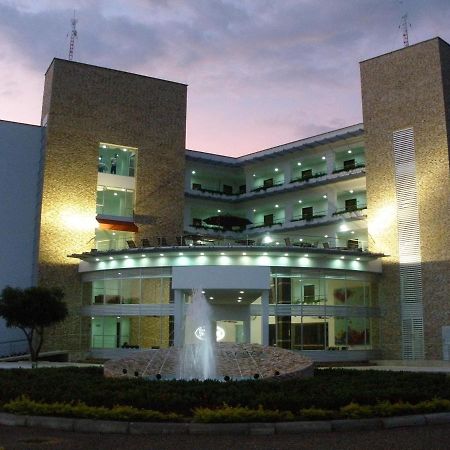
(406, 109)
(84, 106)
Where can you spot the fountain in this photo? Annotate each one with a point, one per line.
(201, 357)
(197, 356)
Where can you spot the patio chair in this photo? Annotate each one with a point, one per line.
(180, 241)
(353, 244)
(145, 242)
(162, 242)
(326, 245)
(131, 244)
(287, 241)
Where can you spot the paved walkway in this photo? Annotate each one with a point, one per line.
(435, 437)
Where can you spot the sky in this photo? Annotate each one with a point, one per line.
(260, 73)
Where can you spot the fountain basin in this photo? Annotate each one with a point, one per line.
(234, 361)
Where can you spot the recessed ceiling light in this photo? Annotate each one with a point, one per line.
(351, 191)
(92, 318)
(211, 298)
(203, 292)
(349, 151)
(277, 243)
(239, 298)
(97, 259)
(323, 157)
(143, 255)
(202, 254)
(241, 292)
(286, 254)
(119, 273)
(299, 164)
(161, 254)
(115, 193)
(306, 255)
(300, 201)
(222, 253)
(244, 254)
(301, 239)
(118, 317)
(103, 146)
(342, 257)
(219, 210)
(254, 210)
(239, 301)
(114, 234)
(276, 206)
(111, 257)
(276, 169)
(265, 253)
(193, 172)
(326, 236)
(180, 254)
(124, 149)
(352, 232)
(254, 174)
(358, 259)
(126, 256)
(324, 196)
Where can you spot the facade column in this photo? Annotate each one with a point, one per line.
(178, 318)
(265, 317)
(249, 180)
(247, 331)
(331, 203)
(287, 171)
(331, 159)
(288, 213)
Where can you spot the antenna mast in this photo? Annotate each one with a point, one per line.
(73, 35)
(404, 26)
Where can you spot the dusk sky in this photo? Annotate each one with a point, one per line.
(260, 72)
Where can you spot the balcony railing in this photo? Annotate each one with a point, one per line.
(294, 240)
(308, 177)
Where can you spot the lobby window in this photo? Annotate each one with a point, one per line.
(307, 213)
(116, 160)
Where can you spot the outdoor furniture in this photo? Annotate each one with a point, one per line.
(131, 244)
(162, 242)
(287, 241)
(145, 242)
(353, 244)
(326, 245)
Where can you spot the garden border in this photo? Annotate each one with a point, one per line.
(251, 428)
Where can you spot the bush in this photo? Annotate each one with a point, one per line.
(228, 414)
(23, 405)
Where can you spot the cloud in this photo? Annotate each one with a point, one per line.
(259, 72)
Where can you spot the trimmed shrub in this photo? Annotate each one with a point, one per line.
(228, 414)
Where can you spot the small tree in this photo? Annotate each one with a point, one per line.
(32, 310)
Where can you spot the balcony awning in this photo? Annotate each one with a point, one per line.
(116, 225)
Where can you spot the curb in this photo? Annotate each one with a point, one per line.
(254, 429)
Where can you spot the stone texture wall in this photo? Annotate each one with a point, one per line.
(406, 89)
(84, 105)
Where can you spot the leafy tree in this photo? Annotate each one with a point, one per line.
(32, 309)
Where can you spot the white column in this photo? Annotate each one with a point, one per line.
(265, 317)
(187, 215)
(288, 213)
(178, 318)
(331, 158)
(247, 333)
(287, 170)
(332, 202)
(249, 180)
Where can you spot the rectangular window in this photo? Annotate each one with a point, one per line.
(307, 213)
(268, 182)
(268, 220)
(113, 201)
(242, 189)
(349, 164)
(309, 294)
(351, 204)
(196, 186)
(227, 189)
(306, 174)
(116, 160)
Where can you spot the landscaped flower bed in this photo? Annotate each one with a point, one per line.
(332, 393)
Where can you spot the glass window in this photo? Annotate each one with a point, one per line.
(114, 201)
(116, 160)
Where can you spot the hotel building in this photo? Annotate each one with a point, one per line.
(336, 245)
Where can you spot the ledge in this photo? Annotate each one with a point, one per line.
(251, 428)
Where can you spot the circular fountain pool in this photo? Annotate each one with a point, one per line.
(233, 361)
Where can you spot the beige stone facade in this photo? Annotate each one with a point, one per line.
(409, 88)
(84, 105)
